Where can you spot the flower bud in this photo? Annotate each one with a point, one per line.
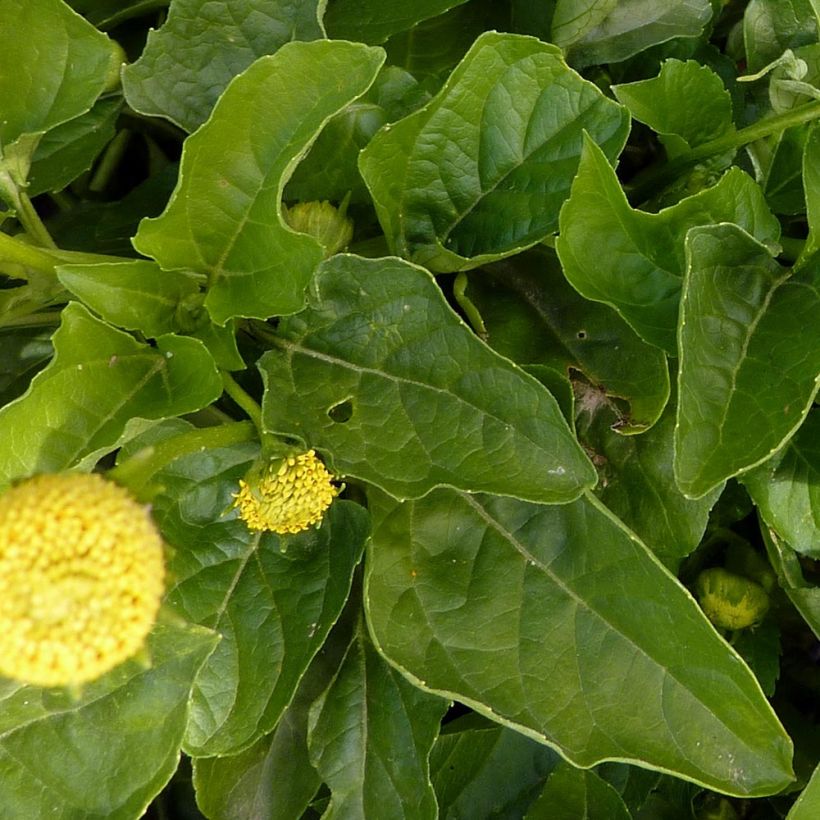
(322, 221)
(730, 601)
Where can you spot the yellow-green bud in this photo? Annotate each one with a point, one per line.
(322, 221)
(730, 601)
(115, 64)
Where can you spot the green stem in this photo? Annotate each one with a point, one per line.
(21, 253)
(135, 472)
(244, 400)
(30, 220)
(653, 179)
(467, 304)
(111, 158)
(31, 320)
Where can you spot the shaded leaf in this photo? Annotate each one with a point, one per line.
(606, 31)
(583, 602)
(373, 21)
(471, 177)
(370, 734)
(273, 599)
(187, 64)
(224, 218)
(807, 805)
(811, 184)
(749, 356)
(533, 316)
(573, 793)
(381, 373)
(786, 489)
(135, 295)
(633, 260)
(772, 26)
(481, 768)
(108, 753)
(23, 353)
(99, 380)
(760, 648)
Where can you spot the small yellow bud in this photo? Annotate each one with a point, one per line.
(322, 221)
(81, 578)
(730, 601)
(288, 497)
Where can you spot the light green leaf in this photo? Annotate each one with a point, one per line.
(370, 734)
(224, 218)
(99, 380)
(373, 21)
(533, 316)
(772, 26)
(786, 489)
(39, 92)
(187, 64)
(481, 171)
(379, 372)
(807, 805)
(572, 793)
(135, 295)
(749, 356)
(588, 645)
(606, 31)
(108, 753)
(68, 150)
(273, 599)
(636, 482)
(481, 768)
(633, 260)
(687, 100)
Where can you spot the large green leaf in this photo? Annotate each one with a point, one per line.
(480, 768)
(687, 100)
(108, 752)
(533, 316)
(772, 26)
(99, 380)
(786, 489)
(53, 66)
(633, 260)
(807, 806)
(605, 31)
(811, 184)
(482, 170)
(588, 644)
(571, 793)
(273, 599)
(637, 483)
(373, 21)
(379, 372)
(224, 218)
(749, 356)
(370, 735)
(188, 63)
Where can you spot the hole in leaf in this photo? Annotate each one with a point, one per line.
(582, 334)
(341, 412)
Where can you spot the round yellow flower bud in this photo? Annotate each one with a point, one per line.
(290, 496)
(81, 578)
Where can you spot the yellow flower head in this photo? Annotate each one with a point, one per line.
(81, 578)
(288, 497)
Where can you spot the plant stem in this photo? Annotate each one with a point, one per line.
(111, 158)
(244, 400)
(649, 182)
(136, 471)
(30, 220)
(467, 305)
(21, 253)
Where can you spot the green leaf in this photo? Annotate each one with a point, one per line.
(482, 769)
(533, 316)
(772, 26)
(224, 218)
(53, 66)
(606, 31)
(471, 177)
(23, 353)
(135, 295)
(783, 174)
(633, 260)
(760, 648)
(804, 596)
(635, 671)
(109, 752)
(571, 793)
(786, 489)
(687, 100)
(68, 150)
(187, 64)
(273, 599)
(811, 184)
(379, 372)
(373, 21)
(749, 356)
(370, 734)
(99, 380)
(807, 805)
(637, 483)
